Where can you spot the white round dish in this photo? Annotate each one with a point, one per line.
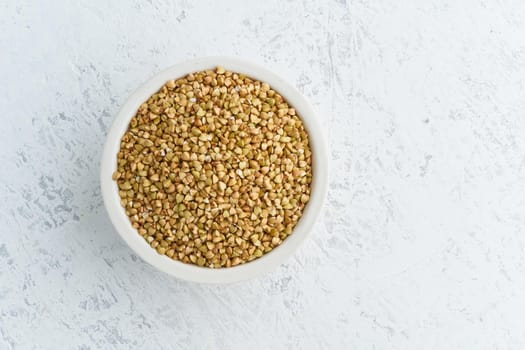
(195, 273)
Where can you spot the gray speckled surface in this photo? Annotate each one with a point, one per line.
(421, 244)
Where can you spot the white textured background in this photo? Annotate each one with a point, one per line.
(420, 246)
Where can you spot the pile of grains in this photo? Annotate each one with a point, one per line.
(214, 169)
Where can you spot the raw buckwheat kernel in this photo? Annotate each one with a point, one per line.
(214, 169)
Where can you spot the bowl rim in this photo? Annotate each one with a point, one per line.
(190, 272)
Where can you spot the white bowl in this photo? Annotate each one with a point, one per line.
(195, 273)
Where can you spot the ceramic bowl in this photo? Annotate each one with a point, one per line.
(195, 273)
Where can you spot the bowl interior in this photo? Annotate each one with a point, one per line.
(192, 272)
